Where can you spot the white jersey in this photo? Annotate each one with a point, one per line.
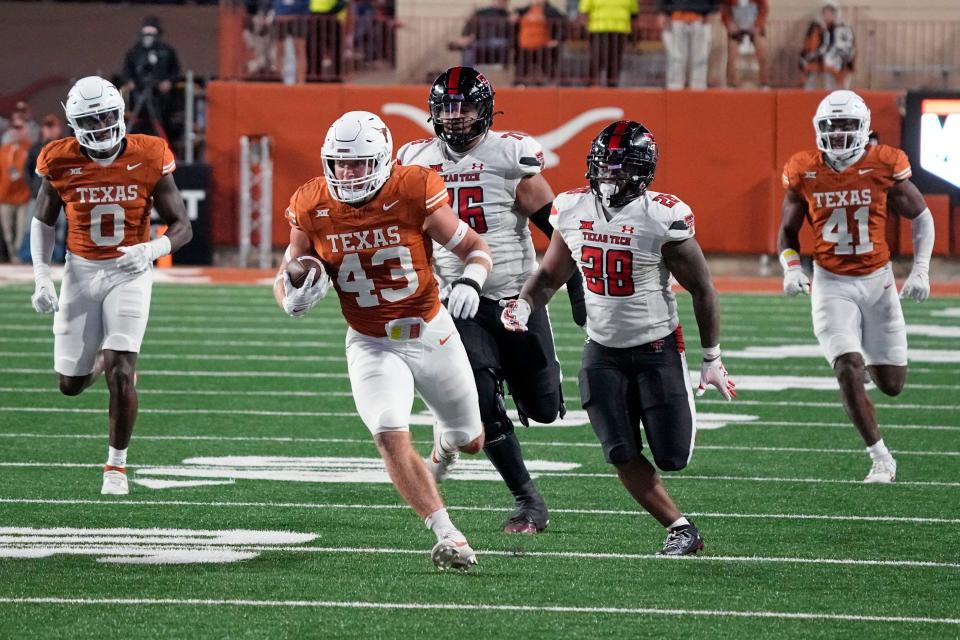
(626, 283)
(482, 186)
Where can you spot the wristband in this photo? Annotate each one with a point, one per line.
(789, 259)
(711, 353)
(475, 272)
(469, 282)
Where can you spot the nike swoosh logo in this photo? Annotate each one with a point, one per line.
(863, 171)
(298, 309)
(444, 341)
(888, 286)
(131, 167)
(386, 207)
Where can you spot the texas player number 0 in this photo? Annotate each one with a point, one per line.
(97, 214)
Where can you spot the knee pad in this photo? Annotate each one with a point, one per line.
(620, 454)
(493, 410)
(674, 462)
(392, 420)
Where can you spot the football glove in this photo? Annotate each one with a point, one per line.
(515, 315)
(44, 295)
(795, 281)
(578, 306)
(464, 299)
(139, 257)
(916, 286)
(713, 373)
(297, 302)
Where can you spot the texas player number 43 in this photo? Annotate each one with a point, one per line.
(353, 278)
(837, 231)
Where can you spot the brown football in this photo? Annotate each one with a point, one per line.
(298, 268)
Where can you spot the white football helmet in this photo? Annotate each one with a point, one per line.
(363, 137)
(95, 110)
(842, 124)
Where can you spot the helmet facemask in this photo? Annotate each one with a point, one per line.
(458, 122)
(616, 181)
(95, 110)
(354, 179)
(841, 137)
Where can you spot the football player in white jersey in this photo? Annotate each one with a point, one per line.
(495, 184)
(628, 241)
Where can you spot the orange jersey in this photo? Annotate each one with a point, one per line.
(377, 254)
(848, 209)
(107, 207)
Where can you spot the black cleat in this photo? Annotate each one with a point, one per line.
(682, 541)
(530, 517)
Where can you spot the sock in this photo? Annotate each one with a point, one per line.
(679, 522)
(879, 451)
(439, 522)
(506, 456)
(117, 457)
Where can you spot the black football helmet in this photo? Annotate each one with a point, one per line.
(622, 162)
(461, 106)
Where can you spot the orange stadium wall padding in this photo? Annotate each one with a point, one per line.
(722, 152)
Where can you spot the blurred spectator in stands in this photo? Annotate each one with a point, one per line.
(686, 38)
(486, 36)
(14, 188)
(541, 28)
(745, 21)
(22, 109)
(292, 30)
(370, 25)
(51, 129)
(258, 35)
(609, 25)
(829, 51)
(325, 44)
(150, 68)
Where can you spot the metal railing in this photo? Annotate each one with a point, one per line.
(890, 53)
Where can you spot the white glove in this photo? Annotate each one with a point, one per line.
(712, 372)
(297, 302)
(795, 281)
(916, 286)
(516, 314)
(464, 299)
(44, 295)
(138, 258)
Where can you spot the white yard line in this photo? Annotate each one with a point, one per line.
(321, 394)
(459, 607)
(528, 443)
(351, 414)
(558, 474)
(108, 502)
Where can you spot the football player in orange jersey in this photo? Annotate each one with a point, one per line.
(843, 189)
(106, 181)
(373, 223)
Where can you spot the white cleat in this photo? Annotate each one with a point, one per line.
(115, 481)
(882, 472)
(441, 460)
(453, 553)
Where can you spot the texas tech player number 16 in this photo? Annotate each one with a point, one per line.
(627, 241)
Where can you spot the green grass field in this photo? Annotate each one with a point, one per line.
(257, 506)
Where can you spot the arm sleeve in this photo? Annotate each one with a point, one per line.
(923, 237)
(435, 192)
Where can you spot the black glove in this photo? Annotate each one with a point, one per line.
(578, 307)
